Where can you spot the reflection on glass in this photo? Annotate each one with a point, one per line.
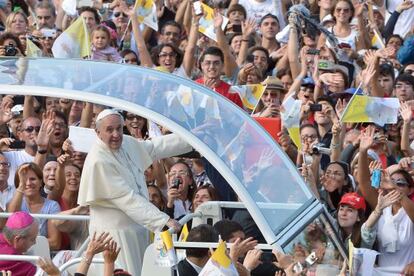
(260, 166)
(314, 250)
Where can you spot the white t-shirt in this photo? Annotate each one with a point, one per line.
(6, 196)
(405, 21)
(404, 234)
(257, 10)
(16, 158)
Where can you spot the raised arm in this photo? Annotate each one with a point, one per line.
(248, 28)
(383, 202)
(370, 194)
(42, 141)
(190, 49)
(60, 179)
(230, 64)
(144, 54)
(16, 202)
(407, 115)
(87, 114)
(293, 51)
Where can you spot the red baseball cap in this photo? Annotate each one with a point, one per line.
(354, 200)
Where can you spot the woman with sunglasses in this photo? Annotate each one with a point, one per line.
(166, 55)
(28, 197)
(135, 125)
(392, 226)
(349, 40)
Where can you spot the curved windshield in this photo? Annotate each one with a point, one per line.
(257, 169)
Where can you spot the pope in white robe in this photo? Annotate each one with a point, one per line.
(113, 185)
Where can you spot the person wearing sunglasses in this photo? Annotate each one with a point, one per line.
(393, 223)
(28, 134)
(120, 19)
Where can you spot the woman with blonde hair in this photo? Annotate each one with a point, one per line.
(17, 23)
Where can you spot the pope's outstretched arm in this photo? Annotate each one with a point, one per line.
(166, 146)
(103, 185)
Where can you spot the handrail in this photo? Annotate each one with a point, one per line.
(186, 219)
(78, 260)
(179, 245)
(52, 216)
(26, 258)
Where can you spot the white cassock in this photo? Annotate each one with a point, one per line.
(113, 185)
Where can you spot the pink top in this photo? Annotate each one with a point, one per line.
(17, 268)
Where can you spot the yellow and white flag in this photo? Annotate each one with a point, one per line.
(250, 94)
(74, 42)
(362, 109)
(291, 119)
(184, 233)
(206, 23)
(168, 248)
(377, 41)
(147, 13)
(219, 264)
(32, 50)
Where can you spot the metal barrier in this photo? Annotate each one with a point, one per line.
(54, 217)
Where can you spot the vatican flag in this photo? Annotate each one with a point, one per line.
(250, 94)
(74, 42)
(219, 264)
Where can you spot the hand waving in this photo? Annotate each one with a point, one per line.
(367, 138)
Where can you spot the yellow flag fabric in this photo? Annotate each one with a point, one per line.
(291, 119)
(378, 110)
(167, 240)
(32, 50)
(206, 23)
(376, 41)
(74, 42)
(250, 94)
(184, 233)
(220, 255)
(294, 133)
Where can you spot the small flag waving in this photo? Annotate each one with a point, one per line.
(250, 94)
(376, 40)
(147, 13)
(206, 23)
(377, 110)
(219, 264)
(362, 261)
(74, 42)
(184, 233)
(291, 119)
(32, 50)
(168, 248)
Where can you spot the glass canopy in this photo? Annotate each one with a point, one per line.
(242, 151)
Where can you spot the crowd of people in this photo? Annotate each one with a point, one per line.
(362, 172)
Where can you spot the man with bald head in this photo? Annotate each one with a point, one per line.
(113, 185)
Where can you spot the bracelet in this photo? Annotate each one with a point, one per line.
(19, 191)
(335, 146)
(87, 260)
(245, 40)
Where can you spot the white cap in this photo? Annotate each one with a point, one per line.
(106, 112)
(327, 18)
